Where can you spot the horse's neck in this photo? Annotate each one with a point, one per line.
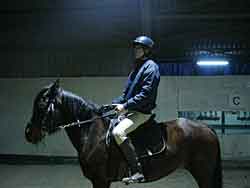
(74, 135)
(87, 138)
(93, 149)
(71, 108)
(96, 133)
(90, 137)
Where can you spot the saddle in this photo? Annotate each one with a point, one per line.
(148, 138)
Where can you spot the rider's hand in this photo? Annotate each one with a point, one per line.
(119, 108)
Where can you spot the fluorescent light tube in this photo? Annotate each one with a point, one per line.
(212, 62)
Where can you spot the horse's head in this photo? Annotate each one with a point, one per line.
(46, 113)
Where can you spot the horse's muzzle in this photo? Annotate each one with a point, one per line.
(28, 133)
(33, 134)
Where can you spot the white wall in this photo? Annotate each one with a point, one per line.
(175, 94)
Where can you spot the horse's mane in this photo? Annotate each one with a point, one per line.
(79, 107)
(88, 105)
(70, 95)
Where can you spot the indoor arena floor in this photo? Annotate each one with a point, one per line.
(70, 176)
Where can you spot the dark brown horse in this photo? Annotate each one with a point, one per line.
(190, 145)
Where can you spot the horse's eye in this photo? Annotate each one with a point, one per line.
(45, 99)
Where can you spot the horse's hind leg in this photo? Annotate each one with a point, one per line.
(100, 184)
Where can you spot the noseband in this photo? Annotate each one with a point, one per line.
(48, 113)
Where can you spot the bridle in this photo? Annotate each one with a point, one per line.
(49, 114)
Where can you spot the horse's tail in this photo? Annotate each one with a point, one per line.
(218, 168)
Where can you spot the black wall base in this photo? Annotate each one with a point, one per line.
(55, 160)
(36, 159)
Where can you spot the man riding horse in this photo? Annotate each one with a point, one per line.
(191, 145)
(138, 100)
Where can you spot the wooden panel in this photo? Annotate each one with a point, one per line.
(193, 96)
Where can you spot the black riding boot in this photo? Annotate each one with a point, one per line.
(136, 169)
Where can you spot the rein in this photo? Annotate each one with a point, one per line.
(78, 123)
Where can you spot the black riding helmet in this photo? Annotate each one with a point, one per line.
(144, 41)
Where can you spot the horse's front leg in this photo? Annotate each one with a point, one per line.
(100, 184)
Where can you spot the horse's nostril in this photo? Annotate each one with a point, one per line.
(28, 133)
(27, 130)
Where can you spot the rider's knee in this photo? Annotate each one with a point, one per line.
(117, 132)
(119, 135)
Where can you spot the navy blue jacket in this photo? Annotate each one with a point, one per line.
(141, 89)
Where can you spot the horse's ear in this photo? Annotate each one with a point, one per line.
(55, 86)
(56, 91)
(57, 83)
(53, 89)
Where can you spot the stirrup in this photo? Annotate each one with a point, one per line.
(135, 178)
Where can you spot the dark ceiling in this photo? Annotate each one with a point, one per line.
(181, 28)
(39, 24)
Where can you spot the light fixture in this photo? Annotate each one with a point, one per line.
(212, 62)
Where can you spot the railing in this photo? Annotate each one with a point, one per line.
(223, 121)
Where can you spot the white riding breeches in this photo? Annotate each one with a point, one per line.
(128, 125)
